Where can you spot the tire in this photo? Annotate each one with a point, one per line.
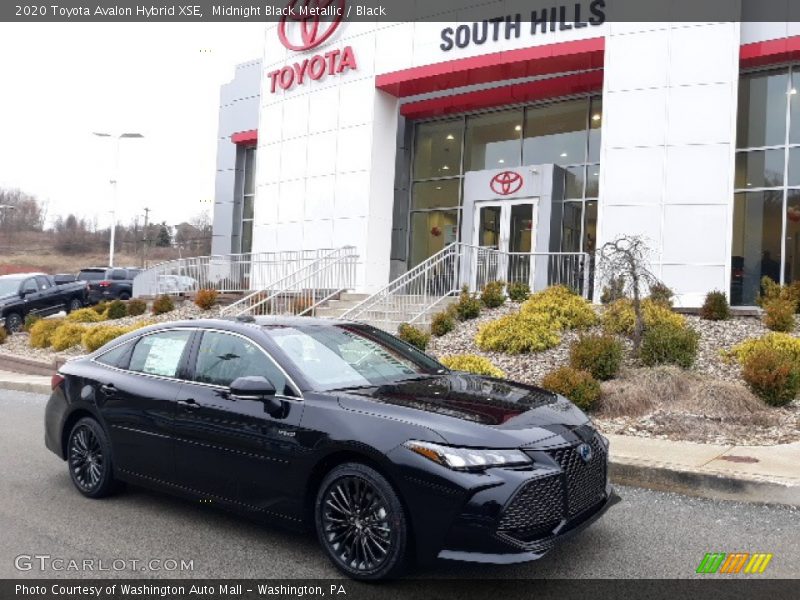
(89, 459)
(124, 296)
(14, 322)
(74, 305)
(370, 541)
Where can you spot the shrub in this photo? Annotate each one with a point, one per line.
(471, 363)
(715, 307)
(136, 307)
(116, 310)
(772, 375)
(770, 290)
(518, 291)
(518, 333)
(29, 322)
(492, 295)
(67, 335)
(779, 314)
(99, 335)
(615, 290)
(579, 386)
(163, 304)
(601, 355)
(468, 306)
(42, 332)
(100, 307)
(3, 335)
(413, 335)
(782, 342)
(563, 307)
(619, 318)
(668, 344)
(442, 323)
(206, 298)
(85, 315)
(661, 294)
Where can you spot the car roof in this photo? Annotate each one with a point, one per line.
(234, 323)
(20, 275)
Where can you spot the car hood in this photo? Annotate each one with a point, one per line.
(471, 410)
(6, 298)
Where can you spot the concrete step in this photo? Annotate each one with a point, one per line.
(351, 296)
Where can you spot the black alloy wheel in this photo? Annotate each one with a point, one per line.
(74, 305)
(361, 523)
(13, 322)
(89, 459)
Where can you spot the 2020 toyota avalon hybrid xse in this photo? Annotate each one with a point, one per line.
(338, 426)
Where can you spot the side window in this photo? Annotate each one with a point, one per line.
(29, 286)
(223, 357)
(43, 283)
(160, 353)
(119, 274)
(117, 357)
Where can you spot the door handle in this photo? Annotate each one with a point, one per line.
(189, 403)
(108, 388)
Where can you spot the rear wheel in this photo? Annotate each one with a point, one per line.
(89, 459)
(14, 322)
(361, 523)
(124, 296)
(74, 305)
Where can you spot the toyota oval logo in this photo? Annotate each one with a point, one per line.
(506, 183)
(309, 23)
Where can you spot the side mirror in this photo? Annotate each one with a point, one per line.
(256, 387)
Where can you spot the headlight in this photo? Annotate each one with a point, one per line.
(468, 459)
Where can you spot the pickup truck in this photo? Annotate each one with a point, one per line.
(109, 283)
(24, 294)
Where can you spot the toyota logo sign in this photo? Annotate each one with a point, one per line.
(306, 24)
(506, 183)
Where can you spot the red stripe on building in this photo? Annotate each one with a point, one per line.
(553, 87)
(770, 52)
(245, 137)
(498, 66)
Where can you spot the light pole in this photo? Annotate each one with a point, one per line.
(117, 139)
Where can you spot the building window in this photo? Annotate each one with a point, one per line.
(248, 197)
(766, 203)
(566, 133)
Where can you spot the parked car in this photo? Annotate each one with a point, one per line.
(109, 283)
(23, 294)
(336, 426)
(60, 278)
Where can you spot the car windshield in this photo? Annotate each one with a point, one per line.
(9, 286)
(341, 357)
(91, 275)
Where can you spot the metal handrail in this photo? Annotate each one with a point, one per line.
(413, 296)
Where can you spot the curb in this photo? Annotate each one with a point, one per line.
(24, 386)
(715, 486)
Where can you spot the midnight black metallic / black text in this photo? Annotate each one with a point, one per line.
(556, 18)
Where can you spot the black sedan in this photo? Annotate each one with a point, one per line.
(336, 426)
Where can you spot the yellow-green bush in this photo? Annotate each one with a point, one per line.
(3, 335)
(518, 291)
(67, 335)
(116, 310)
(601, 355)
(619, 318)
(492, 295)
(519, 333)
(99, 335)
(136, 307)
(665, 344)
(42, 332)
(163, 304)
(206, 298)
(471, 363)
(442, 323)
(779, 314)
(413, 335)
(781, 342)
(578, 386)
(772, 375)
(566, 309)
(85, 315)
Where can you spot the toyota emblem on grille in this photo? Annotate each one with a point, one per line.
(585, 452)
(506, 183)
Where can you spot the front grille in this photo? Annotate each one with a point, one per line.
(536, 509)
(586, 481)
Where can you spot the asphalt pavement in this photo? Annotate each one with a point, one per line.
(648, 535)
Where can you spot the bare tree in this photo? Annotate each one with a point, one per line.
(626, 260)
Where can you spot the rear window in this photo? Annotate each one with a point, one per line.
(91, 275)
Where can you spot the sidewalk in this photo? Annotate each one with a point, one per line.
(763, 474)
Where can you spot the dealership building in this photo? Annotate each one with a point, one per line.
(554, 135)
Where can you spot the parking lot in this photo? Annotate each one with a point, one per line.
(648, 535)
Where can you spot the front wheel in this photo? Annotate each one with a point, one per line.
(14, 322)
(74, 305)
(89, 459)
(361, 524)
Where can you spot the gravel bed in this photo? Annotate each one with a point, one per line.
(19, 343)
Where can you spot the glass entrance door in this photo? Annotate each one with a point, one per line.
(505, 232)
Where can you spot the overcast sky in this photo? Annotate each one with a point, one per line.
(61, 82)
